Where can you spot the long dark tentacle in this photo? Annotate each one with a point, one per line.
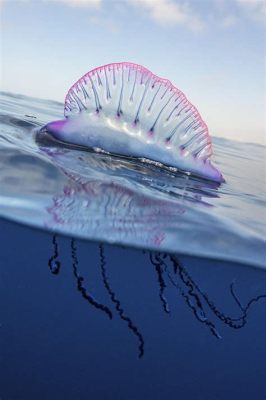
(235, 323)
(80, 286)
(54, 264)
(159, 270)
(192, 299)
(117, 303)
(235, 297)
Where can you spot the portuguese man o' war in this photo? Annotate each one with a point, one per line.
(124, 109)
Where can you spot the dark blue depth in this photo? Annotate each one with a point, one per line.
(84, 320)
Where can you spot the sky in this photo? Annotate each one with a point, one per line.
(212, 50)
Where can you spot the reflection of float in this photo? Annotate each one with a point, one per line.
(113, 209)
(123, 200)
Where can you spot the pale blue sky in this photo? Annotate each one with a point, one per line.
(213, 50)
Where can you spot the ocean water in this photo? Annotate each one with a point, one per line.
(120, 280)
(99, 197)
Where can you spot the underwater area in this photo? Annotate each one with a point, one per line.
(124, 280)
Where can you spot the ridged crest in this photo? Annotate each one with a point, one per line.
(132, 93)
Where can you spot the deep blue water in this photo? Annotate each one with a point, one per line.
(56, 345)
(122, 281)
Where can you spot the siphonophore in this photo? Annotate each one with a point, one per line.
(124, 109)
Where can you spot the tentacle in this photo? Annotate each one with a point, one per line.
(91, 300)
(117, 303)
(197, 309)
(159, 270)
(54, 264)
(232, 322)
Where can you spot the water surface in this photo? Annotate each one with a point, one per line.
(123, 201)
